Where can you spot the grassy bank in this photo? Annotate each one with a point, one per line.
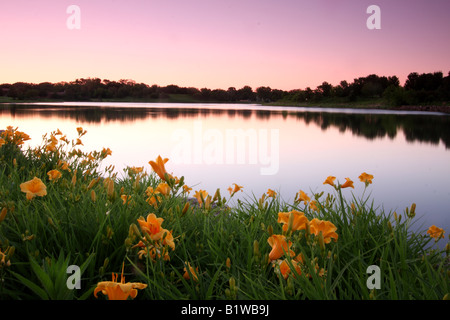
(379, 104)
(336, 103)
(58, 209)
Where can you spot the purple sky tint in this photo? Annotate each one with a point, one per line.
(217, 44)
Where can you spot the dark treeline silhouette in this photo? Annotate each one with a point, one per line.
(418, 89)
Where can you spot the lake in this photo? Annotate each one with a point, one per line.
(259, 147)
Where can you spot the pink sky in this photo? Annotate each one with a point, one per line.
(286, 45)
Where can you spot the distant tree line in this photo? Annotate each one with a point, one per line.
(418, 88)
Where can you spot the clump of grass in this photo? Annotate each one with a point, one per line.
(172, 242)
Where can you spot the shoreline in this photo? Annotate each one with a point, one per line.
(368, 105)
(351, 105)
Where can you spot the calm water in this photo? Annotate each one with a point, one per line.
(285, 149)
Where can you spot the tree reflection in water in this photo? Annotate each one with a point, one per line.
(428, 128)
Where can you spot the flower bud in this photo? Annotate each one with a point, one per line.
(389, 226)
(136, 230)
(228, 263)
(93, 183)
(412, 212)
(321, 241)
(110, 189)
(228, 293)
(216, 195)
(105, 263)
(290, 223)
(208, 202)
(308, 230)
(232, 286)
(74, 178)
(10, 251)
(50, 222)
(128, 242)
(3, 214)
(185, 209)
(136, 184)
(256, 248)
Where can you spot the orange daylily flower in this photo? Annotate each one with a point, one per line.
(33, 188)
(154, 201)
(313, 205)
(64, 165)
(348, 183)
(303, 197)
(186, 189)
(14, 136)
(135, 170)
(90, 157)
(168, 239)
(64, 138)
(299, 220)
(150, 191)
(125, 198)
(2, 142)
(118, 290)
(194, 273)
(236, 189)
(158, 167)
(271, 193)
(163, 188)
(52, 145)
(285, 268)
(153, 252)
(53, 139)
(152, 226)
(366, 178)
(54, 174)
(50, 148)
(153, 198)
(279, 246)
(199, 195)
(326, 227)
(106, 152)
(436, 232)
(4, 261)
(330, 181)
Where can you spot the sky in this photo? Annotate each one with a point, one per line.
(284, 44)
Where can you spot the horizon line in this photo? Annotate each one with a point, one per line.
(198, 88)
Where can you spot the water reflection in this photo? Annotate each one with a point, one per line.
(430, 128)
